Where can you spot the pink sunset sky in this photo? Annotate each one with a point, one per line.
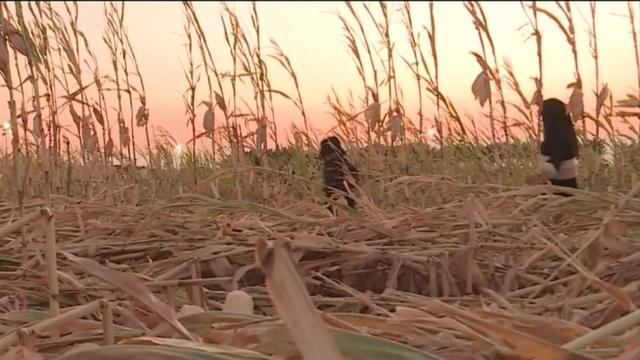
(312, 36)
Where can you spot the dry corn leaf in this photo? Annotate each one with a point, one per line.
(590, 257)
(74, 116)
(15, 37)
(630, 101)
(521, 343)
(481, 88)
(134, 288)
(602, 97)
(18, 43)
(270, 337)
(537, 82)
(376, 325)
(536, 99)
(631, 350)
(612, 236)
(81, 347)
(188, 309)
(616, 292)
(476, 213)
(21, 353)
(464, 267)
(98, 115)
(218, 351)
(220, 102)
(557, 330)
(290, 297)
(4, 58)
(575, 106)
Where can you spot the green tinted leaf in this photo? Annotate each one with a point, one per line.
(148, 352)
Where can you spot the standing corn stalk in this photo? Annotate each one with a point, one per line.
(415, 66)
(190, 96)
(636, 53)
(285, 62)
(140, 114)
(575, 104)
(110, 39)
(537, 97)
(482, 27)
(481, 86)
(5, 68)
(33, 60)
(208, 61)
(372, 112)
(432, 80)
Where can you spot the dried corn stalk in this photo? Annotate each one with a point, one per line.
(86, 131)
(37, 126)
(23, 116)
(261, 134)
(536, 99)
(98, 115)
(108, 148)
(91, 143)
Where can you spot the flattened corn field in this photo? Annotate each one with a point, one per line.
(223, 248)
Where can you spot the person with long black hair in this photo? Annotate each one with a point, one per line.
(336, 171)
(559, 149)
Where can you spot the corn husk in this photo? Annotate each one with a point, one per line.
(481, 88)
(141, 117)
(208, 120)
(125, 138)
(238, 302)
(575, 105)
(395, 127)
(372, 115)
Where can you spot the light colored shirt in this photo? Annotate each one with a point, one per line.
(567, 170)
